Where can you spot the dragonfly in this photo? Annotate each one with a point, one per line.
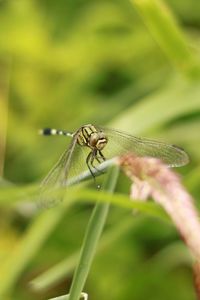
(92, 145)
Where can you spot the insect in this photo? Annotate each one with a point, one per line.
(91, 145)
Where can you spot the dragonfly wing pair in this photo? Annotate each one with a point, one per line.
(120, 143)
(73, 161)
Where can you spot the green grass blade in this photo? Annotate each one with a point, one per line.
(92, 236)
(179, 97)
(66, 266)
(165, 30)
(29, 245)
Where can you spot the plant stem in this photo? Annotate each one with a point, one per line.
(66, 297)
(92, 235)
(4, 97)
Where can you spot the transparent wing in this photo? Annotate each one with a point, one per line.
(121, 143)
(71, 163)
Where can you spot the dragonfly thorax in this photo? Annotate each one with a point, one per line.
(91, 137)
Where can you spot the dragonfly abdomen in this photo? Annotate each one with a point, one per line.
(52, 131)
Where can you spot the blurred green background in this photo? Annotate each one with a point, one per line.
(130, 65)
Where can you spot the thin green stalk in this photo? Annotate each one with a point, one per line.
(65, 267)
(4, 99)
(91, 238)
(66, 297)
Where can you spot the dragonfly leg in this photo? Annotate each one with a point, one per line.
(89, 160)
(99, 159)
(94, 156)
(102, 156)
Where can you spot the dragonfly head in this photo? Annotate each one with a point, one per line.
(98, 140)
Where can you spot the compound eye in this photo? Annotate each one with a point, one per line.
(93, 139)
(102, 135)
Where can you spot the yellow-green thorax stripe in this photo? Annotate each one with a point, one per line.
(85, 133)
